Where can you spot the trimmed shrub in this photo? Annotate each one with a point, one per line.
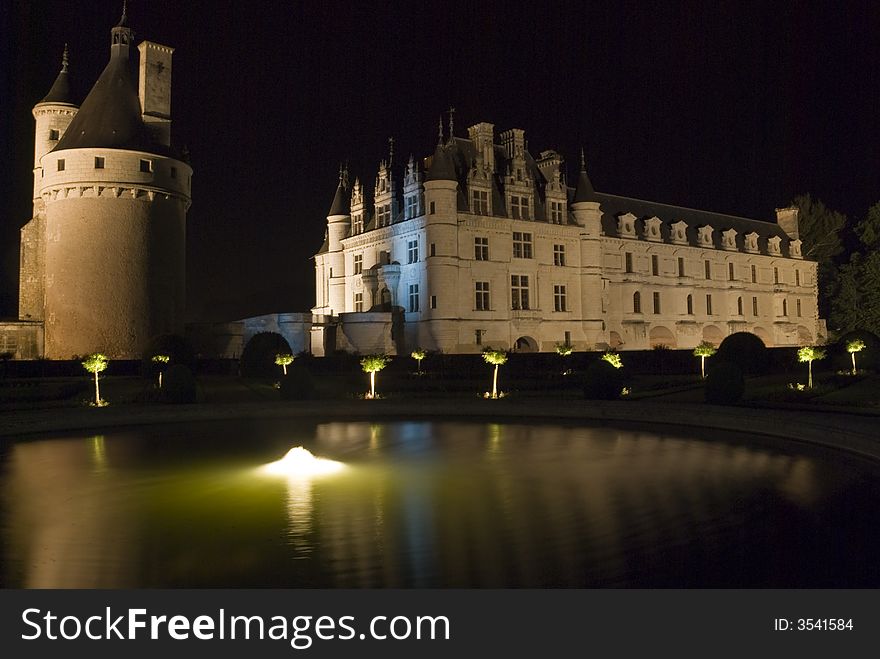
(176, 347)
(258, 356)
(724, 384)
(746, 350)
(298, 384)
(602, 381)
(179, 385)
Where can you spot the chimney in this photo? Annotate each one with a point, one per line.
(514, 142)
(483, 137)
(154, 89)
(787, 219)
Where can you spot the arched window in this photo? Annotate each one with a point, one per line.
(690, 305)
(739, 306)
(637, 302)
(785, 307)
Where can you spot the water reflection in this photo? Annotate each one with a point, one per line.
(431, 504)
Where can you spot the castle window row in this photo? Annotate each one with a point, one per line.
(732, 273)
(689, 305)
(145, 165)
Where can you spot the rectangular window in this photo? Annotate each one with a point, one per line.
(628, 257)
(567, 340)
(61, 164)
(174, 172)
(558, 254)
(797, 279)
(481, 248)
(690, 305)
(775, 275)
(681, 266)
(383, 215)
(359, 302)
(754, 306)
(357, 223)
(433, 301)
(358, 263)
(53, 134)
(412, 206)
(519, 292)
(413, 298)
(556, 212)
(730, 272)
(146, 166)
(708, 305)
(522, 245)
(754, 275)
(478, 336)
(433, 249)
(480, 202)
(708, 266)
(481, 296)
(433, 208)
(798, 305)
(655, 265)
(656, 302)
(519, 207)
(99, 162)
(559, 301)
(412, 251)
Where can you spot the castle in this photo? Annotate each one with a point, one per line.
(491, 247)
(103, 257)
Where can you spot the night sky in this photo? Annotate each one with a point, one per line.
(726, 106)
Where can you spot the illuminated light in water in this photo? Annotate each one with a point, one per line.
(301, 462)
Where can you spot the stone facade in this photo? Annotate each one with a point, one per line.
(490, 247)
(103, 258)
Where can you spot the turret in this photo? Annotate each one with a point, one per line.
(587, 213)
(52, 116)
(338, 226)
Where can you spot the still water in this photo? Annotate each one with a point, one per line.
(432, 504)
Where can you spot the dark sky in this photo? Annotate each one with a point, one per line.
(728, 106)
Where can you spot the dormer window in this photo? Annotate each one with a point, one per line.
(794, 248)
(557, 212)
(383, 215)
(652, 229)
(751, 242)
(519, 207)
(705, 236)
(413, 206)
(357, 223)
(626, 225)
(480, 202)
(728, 239)
(679, 232)
(773, 244)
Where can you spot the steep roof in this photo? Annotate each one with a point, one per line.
(110, 117)
(340, 205)
(584, 190)
(442, 167)
(60, 90)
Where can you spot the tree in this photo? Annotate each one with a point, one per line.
(160, 360)
(820, 229)
(810, 354)
(703, 350)
(284, 359)
(563, 349)
(372, 364)
(95, 363)
(419, 354)
(496, 358)
(613, 358)
(852, 347)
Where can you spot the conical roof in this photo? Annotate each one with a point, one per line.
(340, 205)
(442, 167)
(584, 190)
(60, 91)
(110, 116)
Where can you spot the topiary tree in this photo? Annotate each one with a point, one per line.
(284, 359)
(419, 354)
(96, 363)
(852, 347)
(810, 354)
(258, 357)
(613, 358)
(496, 358)
(372, 364)
(160, 361)
(725, 384)
(603, 381)
(178, 349)
(744, 349)
(703, 350)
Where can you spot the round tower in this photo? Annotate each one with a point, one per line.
(52, 116)
(588, 215)
(116, 196)
(338, 224)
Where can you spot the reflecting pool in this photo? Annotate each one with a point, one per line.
(431, 504)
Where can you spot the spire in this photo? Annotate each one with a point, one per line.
(121, 36)
(451, 115)
(440, 130)
(123, 21)
(340, 205)
(60, 90)
(584, 190)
